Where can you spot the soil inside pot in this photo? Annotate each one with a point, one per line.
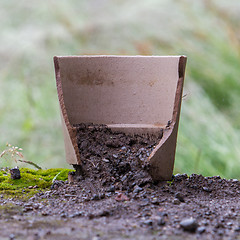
(115, 157)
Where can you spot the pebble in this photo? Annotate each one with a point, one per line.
(105, 160)
(210, 181)
(95, 197)
(237, 229)
(111, 188)
(155, 201)
(84, 144)
(77, 214)
(137, 189)
(124, 178)
(163, 214)
(160, 221)
(104, 213)
(15, 173)
(201, 230)
(176, 201)
(69, 195)
(35, 206)
(63, 215)
(121, 197)
(45, 214)
(179, 196)
(95, 238)
(11, 236)
(207, 189)
(219, 225)
(56, 184)
(189, 224)
(148, 222)
(27, 209)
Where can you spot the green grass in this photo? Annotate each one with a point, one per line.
(206, 31)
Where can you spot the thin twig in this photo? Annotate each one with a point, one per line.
(31, 163)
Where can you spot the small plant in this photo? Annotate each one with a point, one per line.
(15, 154)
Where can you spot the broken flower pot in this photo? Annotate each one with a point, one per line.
(132, 94)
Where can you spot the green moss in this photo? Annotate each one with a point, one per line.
(23, 187)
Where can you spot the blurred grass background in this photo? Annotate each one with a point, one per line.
(206, 31)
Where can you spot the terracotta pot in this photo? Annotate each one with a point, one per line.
(135, 94)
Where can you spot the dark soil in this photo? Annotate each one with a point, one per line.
(115, 198)
(114, 158)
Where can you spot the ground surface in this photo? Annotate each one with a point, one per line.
(112, 196)
(71, 211)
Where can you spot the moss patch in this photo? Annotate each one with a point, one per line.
(31, 181)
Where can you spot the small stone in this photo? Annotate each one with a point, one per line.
(63, 215)
(189, 224)
(207, 189)
(179, 196)
(124, 178)
(201, 230)
(178, 175)
(56, 184)
(176, 201)
(235, 180)
(91, 216)
(27, 209)
(48, 233)
(210, 181)
(15, 173)
(105, 160)
(137, 189)
(113, 143)
(96, 238)
(111, 188)
(219, 225)
(69, 195)
(160, 221)
(220, 232)
(148, 222)
(45, 214)
(11, 236)
(229, 223)
(121, 197)
(205, 222)
(104, 213)
(102, 195)
(84, 145)
(155, 201)
(237, 229)
(35, 206)
(96, 197)
(162, 214)
(76, 214)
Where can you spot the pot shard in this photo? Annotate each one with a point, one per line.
(133, 94)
